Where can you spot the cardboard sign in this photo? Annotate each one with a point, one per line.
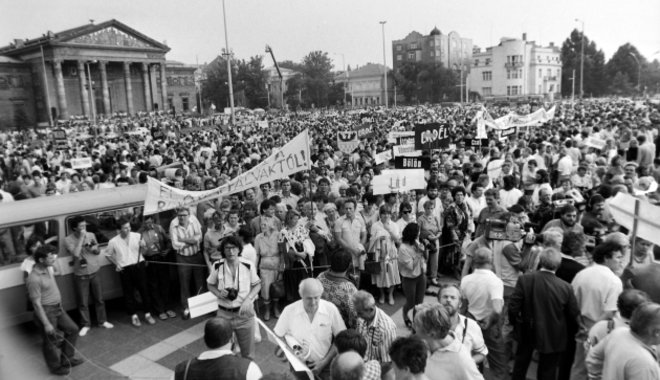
(396, 181)
(408, 140)
(431, 136)
(406, 151)
(383, 156)
(347, 142)
(81, 163)
(202, 304)
(263, 124)
(475, 142)
(59, 138)
(412, 163)
(366, 131)
(595, 142)
(508, 132)
(393, 137)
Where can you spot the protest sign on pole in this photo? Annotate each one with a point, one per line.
(290, 159)
(412, 163)
(393, 137)
(81, 163)
(399, 180)
(595, 142)
(383, 156)
(347, 142)
(475, 142)
(406, 151)
(365, 131)
(431, 136)
(630, 212)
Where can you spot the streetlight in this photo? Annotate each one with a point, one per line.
(343, 63)
(382, 24)
(581, 59)
(228, 54)
(639, 71)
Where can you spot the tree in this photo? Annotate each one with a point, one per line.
(427, 82)
(594, 83)
(624, 63)
(252, 79)
(216, 87)
(316, 68)
(620, 84)
(249, 82)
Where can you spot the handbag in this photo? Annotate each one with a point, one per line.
(372, 266)
(276, 289)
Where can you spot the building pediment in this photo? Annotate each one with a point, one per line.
(110, 36)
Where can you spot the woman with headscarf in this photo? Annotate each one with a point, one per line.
(385, 238)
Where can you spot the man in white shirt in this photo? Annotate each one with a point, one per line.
(476, 201)
(314, 323)
(484, 292)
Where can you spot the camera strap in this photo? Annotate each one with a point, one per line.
(236, 281)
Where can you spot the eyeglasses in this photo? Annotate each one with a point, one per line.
(406, 211)
(182, 215)
(231, 248)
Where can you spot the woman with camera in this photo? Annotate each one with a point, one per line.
(235, 282)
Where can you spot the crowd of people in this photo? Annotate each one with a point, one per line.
(516, 238)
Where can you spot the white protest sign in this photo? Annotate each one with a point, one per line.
(405, 151)
(296, 363)
(263, 124)
(595, 142)
(398, 180)
(383, 157)
(202, 304)
(494, 168)
(347, 142)
(290, 159)
(81, 163)
(392, 136)
(622, 208)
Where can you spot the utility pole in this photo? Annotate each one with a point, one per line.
(231, 86)
(581, 60)
(382, 23)
(573, 89)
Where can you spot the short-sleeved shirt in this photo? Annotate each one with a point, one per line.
(350, 231)
(469, 333)
(481, 288)
(317, 333)
(93, 260)
(379, 333)
(41, 285)
(222, 278)
(125, 253)
(596, 289)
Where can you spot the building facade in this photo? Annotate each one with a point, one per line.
(365, 84)
(516, 68)
(448, 49)
(91, 70)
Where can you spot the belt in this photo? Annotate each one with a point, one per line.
(231, 310)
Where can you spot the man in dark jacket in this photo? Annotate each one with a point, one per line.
(543, 326)
(219, 362)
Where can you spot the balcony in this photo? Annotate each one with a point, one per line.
(513, 65)
(550, 78)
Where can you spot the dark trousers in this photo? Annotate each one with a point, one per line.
(413, 289)
(498, 360)
(158, 282)
(186, 272)
(134, 278)
(83, 284)
(62, 322)
(548, 367)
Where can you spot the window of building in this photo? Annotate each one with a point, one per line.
(430, 42)
(432, 53)
(398, 47)
(520, 73)
(549, 73)
(413, 45)
(487, 91)
(508, 90)
(170, 102)
(476, 62)
(487, 61)
(540, 73)
(399, 57)
(411, 56)
(539, 89)
(487, 75)
(185, 103)
(508, 74)
(558, 74)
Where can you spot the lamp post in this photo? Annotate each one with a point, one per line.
(581, 60)
(639, 72)
(382, 24)
(228, 56)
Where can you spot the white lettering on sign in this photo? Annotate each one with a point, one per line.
(432, 135)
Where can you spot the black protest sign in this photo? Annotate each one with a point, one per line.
(366, 131)
(412, 163)
(59, 138)
(475, 142)
(508, 132)
(431, 136)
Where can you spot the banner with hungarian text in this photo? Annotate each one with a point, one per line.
(290, 159)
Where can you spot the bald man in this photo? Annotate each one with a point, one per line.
(347, 366)
(314, 323)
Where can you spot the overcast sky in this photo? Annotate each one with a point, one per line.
(295, 27)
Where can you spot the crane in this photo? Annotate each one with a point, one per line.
(279, 73)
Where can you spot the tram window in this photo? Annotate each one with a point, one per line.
(13, 240)
(104, 224)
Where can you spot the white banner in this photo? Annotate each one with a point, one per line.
(537, 117)
(406, 151)
(290, 159)
(595, 142)
(81, 163)
(392, 136)
(399, 180)
(623, 212)
(263, 124)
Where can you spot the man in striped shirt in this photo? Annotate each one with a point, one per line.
(186, 234)
(377, 328)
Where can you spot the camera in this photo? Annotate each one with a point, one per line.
(83, 262)
(232, 293)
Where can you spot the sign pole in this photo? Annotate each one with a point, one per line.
(634, 231)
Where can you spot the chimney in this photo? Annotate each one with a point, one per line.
(524, 36)
(552, 44)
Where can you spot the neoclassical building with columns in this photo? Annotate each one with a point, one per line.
(92, 70)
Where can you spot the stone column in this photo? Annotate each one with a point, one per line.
(163, 86)
(84, 96)
(104, 88)
(147, 89)
(129, 87)
(59, 88)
